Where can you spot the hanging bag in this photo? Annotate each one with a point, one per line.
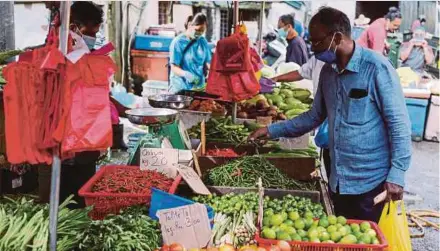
(394, 226)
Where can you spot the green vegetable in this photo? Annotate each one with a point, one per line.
(221, 130)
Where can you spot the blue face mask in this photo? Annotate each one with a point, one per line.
(327, 56)
(90, 41)
(282, 32)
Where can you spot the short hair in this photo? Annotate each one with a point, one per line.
(198, 19)
(335, 20)
(85, 13)
(288, 19)
(393, 13)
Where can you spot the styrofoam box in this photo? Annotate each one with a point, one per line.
(154, 87)
(432, 123)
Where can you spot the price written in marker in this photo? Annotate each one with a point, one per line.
(193, 180)
(160, 159)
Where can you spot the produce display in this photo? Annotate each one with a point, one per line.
(131, 230)
(290, 100)
(310, 152)
(238, 229)
(221, 130)
(259, 106)
(207, 106)
(245, 172)
(222, 152)
(24, 225)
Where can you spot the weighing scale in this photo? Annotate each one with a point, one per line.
(164, 130)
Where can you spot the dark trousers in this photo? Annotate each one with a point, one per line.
(360, 206)
(327, 163)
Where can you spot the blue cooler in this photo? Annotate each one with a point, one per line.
(152, 43)
(417, 109)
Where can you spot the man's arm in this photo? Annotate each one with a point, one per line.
(429, 54)
(376, 40)
(305, 71)
(406, 50)
(391, 103)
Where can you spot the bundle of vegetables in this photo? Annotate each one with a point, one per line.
(24, 225)
(290, 100)
(5, 55)
(259, 106)
(310, 152)
(131, 230)
(221, 130)
(245, 172)
(222, 152)
(207, 106)
(237, 230)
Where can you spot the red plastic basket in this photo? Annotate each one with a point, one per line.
(100, 201)
(309, 246)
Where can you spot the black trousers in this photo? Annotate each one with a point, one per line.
(327, 163)
(359, 206)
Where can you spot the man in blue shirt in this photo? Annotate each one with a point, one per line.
(369, 130)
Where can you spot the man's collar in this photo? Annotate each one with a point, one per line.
(354, 62)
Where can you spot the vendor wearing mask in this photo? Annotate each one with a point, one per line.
(296, 48)
(369, 129)
(375, 36)
(416, 53)
(421, 21)
(190, 56)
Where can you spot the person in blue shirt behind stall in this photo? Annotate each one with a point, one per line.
(190, 56)
(369, 137)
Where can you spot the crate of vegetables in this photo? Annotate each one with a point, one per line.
(115, 187)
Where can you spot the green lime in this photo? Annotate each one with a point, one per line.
(305, 239)
(332, 220)
(308, 223)
(342, 220)
(342, 231)
(365, 226)
(293, 215)
(357, 234)
(375, 241)
(321, 229)
(266, 221)
(315, 223)
(348, 228)
(338, 225)
(283, 227)
(313, 234)
(315, 240)
(276, 219)
(302, 233)
(349, 239)
(324, 236)
(269, 234)
(308, 215)
(371, 233)
(365, 238)
(335, 236)
(295, 237)
(285, 215)
(324, 222)
(268, 212)
(281, 235)
(332, 229)
(290, 230)
(289, 222)
(299, 224)
(355, 227)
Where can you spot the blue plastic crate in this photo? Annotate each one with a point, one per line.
(152, 43)
(163, 200)
(417, 109)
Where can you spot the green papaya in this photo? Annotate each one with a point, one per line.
(276, 90)
(277, 99)
(294, 112)
(308, 100)
(290, 101)
(298, 106)
(301, 94)
(287, 93)
(255, 99)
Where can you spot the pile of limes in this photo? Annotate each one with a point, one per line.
(293, 226)
(230, 203)
(290, 203)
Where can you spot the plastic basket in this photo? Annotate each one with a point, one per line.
(163, 200)
(309, 246)
(119, 201)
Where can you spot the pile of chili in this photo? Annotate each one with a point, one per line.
(222, 152)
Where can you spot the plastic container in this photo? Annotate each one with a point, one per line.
(432, 123)
(163, 200)
(120, 200)
(417, 114)
(309, 246)
(152, 43)
(154, 87)
(149, 65)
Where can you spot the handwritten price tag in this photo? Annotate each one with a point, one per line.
(163, 160)
(193, 179)
(187, 225)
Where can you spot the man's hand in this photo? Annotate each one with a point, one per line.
(262, 133)
(425, 44)
(394, 192)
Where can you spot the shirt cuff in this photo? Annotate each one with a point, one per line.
(396, 176)
(276, 130)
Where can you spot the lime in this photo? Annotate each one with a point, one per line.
(302, 233)
(349, 239)
(315, 223)
(332, 229)
(375, 241)
(268, 212)
(371, 233)
(266, 221)
(348, 228)
(335, 236)
(365, 238)
(355, 227)
(308, 215)
(338, 225)
(275, 228)
(283, 227)
(288, 222)
(357, 234)
(313, 234)
(324, 222)
(332, 220)
(281, 235)
(290, 230)
(324, 236)
(276, 219)
(284, 214)
(342, 220)
(308, 222)
(293, 215)
(269, 234)
(305, 239)
(342, 231)
(365, 226)
(299, 224)
(315, 240)
(295, 237)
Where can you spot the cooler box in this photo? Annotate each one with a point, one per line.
(152, 43)
(432, 123)
(149, 65)
(417, 114)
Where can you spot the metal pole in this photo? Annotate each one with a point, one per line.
(236, 18)
(260, 25)
(56, 163)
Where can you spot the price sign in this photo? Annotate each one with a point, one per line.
(187, 225)
(193, 180)
(163, 160)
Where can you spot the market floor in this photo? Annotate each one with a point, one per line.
(422, 189)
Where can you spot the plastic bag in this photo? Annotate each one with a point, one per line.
(321, 138)
(394, 226)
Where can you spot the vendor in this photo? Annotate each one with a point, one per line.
(190, 56)
(360, 24)
(421, 21)
(375, 36)
(296, 48)
(369, 129)
(416, 53)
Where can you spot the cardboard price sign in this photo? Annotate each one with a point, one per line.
(193, 180)
(162, 160)
(187, 225)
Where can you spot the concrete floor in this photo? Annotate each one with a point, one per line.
(422, 189)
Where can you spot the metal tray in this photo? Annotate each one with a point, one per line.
(151, 116)
(170, 101)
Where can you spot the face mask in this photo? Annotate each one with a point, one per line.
(90, 41)
(282, 32)
(328, 56)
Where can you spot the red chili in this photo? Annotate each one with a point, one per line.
(223, 152)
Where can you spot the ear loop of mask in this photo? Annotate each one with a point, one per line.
(333, 39)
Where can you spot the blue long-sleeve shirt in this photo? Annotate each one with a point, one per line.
(369, 130)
